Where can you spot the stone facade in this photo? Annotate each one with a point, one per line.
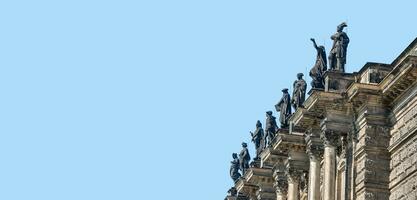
(356, 140)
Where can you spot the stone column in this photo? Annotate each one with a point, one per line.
(293, 185)
(281, 189)
(281, 184)
(315, 152)
(314, 177)
(329, 183)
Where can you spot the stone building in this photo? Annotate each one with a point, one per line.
(355, 139)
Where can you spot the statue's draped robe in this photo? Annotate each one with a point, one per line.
(299, 93)
(258, 137)
(234, 170)
(271, 128)
(339, 49)
(284, 107)
(244, 158)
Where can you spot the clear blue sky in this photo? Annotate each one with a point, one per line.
(148, 99)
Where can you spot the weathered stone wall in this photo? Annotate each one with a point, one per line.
(403, 148)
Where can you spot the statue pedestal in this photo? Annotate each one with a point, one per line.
(314, 89)
(336, 81)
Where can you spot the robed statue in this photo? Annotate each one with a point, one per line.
(299, 92)
(271, 128)
(284, 107)
(257, 138)
(337, 56)
(234, 168)
(317, 72)
(244, 158)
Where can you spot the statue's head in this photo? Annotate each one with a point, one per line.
(244, 144)
(258, 124)
(234, 155)
(268, 113)
(341, 26)
(300, 75)
(285, 90)
(321, 47)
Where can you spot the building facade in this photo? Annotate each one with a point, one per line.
(356, 139)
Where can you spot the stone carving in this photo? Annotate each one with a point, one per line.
(375, 76)
(337, 56)
(317, 72)
(271, 128)
(258, 139)
(281, 185)
(315, 152)
(284, 107)
(244, 158)
(234, 168)
(343, 147)
(299, 93)
(330, 138)
(293, 176)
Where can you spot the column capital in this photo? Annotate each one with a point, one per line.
(343, 147)
(281, 182)
(330, 138)
(314, 146)
(293, 175)
(281, 185)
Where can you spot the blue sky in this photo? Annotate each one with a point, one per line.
(148, 99)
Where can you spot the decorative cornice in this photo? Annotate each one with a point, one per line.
(399, 79)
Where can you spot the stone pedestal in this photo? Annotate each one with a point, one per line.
(336, 81)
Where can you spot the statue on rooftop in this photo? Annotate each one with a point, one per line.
(244, 158)
(299, 92)
(234, 168)
(257, 138)
(317, 72)
(337, 56)
(284, 107)
(271, 128)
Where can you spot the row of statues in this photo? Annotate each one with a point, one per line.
(262, 139)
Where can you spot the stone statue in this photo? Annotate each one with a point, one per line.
(317, 72)
(271, 128)
(299, 92)
(284, 107)
(244, 158)
(234, 168)
(337, 56)
(257, 138)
